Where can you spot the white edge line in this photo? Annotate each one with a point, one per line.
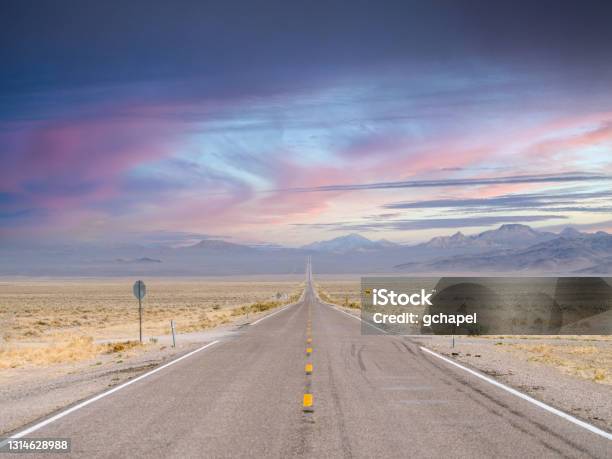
(354, 317)
(542, 405)
(274, 313)
(48, 421)
(515, 392)
(301, 299)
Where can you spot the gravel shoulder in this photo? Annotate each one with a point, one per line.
(515, 367)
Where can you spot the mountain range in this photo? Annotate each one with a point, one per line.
(592, 253)
(519, 248)
(506, 236)
(511, 248)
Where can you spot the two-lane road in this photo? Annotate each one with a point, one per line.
(374, 396)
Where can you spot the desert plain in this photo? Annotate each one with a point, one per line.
(48, 321)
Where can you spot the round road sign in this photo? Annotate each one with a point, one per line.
(140, 289)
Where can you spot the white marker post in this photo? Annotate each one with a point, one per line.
(173, 331)
(140, 290)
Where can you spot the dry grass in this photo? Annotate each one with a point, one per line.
(52, 321)
(75, 349)
(343, 292)
(592, 362)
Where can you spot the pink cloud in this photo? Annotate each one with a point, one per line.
(74, 163)
(61, 163)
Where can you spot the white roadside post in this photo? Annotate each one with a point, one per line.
(140, 290)
(173, 332)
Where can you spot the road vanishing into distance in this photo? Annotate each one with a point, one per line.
(304, 382)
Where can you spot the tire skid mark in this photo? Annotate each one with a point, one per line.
(360, 358)
(470, 388)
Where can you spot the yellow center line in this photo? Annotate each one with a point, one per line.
(308, 397)
(308, 400)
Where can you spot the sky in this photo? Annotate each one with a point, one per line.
(289, 122)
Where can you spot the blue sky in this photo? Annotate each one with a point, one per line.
(289, 122)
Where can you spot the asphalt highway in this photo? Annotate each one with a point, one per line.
(365, 396)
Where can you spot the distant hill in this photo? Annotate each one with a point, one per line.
(571, 233)
(603, 268)
(457, 240)
(349, 243)
(218, 245)
(139, 260)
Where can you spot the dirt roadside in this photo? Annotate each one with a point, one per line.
(514, 365)
(29, 394)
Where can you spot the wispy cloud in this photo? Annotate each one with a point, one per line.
(506, 180)
(560, 201)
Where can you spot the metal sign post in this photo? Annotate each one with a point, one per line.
(140, 290)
